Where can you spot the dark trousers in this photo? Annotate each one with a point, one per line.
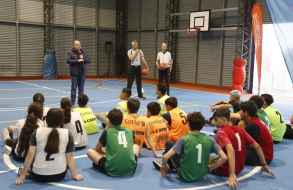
(252, 158)
(77, 82)
(134, 73)
(164, 78)
(289, 132)
(174, 161)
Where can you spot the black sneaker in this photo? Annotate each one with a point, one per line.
(157, 164)
(142, 98)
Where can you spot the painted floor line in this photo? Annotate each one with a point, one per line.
(28, 97)
(254, 171)
(52, 105)
(40, 86)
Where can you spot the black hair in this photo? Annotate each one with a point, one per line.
(162, 88)
(154, 108)
(54, 119)
(172, 101)
(258, 100)
(65, 104)
(249, 107)
(83, 100)
(127, 91)
(39, 98)
(222, 112)
(133, 105)
(115, 117)
(268, 99)
(34, 113)
(196, 121)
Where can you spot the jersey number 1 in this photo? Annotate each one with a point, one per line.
(238, 141)
(122, 139)
(199, 153)
(78, 127)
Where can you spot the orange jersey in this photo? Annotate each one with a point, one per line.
(158, 131)
(135, 123)
(179, 127)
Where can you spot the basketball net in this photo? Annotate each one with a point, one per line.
(192, 32)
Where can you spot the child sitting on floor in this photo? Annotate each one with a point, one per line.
(189, 157)
(115, 153)
(162, 97)
(50, 152)
(124, 96)
(87, 115)
(17, 137)
(74, 123)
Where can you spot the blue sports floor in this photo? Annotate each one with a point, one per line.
(15, 96)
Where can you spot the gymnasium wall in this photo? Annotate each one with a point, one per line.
(22, 34)
(204, 60)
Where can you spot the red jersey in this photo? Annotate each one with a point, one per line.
(240, 140)
(264, 139)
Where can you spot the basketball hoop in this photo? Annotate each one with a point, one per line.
(192, 32)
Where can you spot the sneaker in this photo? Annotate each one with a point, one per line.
(142, 98)
(7, 150)
(157, 164)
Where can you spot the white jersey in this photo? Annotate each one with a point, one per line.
(54, 164)
(17, 130)
(165, 58)
(45, 111)
(137, 60)
(77, 129)
(19, 125)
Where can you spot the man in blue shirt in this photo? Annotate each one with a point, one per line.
(77, 61)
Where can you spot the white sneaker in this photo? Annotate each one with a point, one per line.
(7, 150)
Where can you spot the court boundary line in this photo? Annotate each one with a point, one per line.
(13, 167)
(40, 86)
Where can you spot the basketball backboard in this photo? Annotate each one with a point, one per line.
(200, 20)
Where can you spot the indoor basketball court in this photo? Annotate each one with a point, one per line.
(212, 56)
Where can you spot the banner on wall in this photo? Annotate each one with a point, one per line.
(257, 32)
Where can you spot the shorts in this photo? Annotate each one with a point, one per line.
(48, 178)
(252, 158)
(102, 163)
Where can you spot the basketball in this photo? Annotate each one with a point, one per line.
(163, 66)
(145, 70)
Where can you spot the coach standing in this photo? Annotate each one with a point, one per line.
(77, 61)
(136, 59)
(164, 64)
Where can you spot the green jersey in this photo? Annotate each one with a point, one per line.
(261, 114)
(278, 127)
(120, 158)
(195, 152)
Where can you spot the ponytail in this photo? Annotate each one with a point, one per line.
(52, 146)
(67, 115)
(66, 106)
(55, 119)
(26, 132)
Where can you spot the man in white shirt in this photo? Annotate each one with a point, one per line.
(136, 59)
(164, 64)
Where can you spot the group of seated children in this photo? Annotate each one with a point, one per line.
(244, 137)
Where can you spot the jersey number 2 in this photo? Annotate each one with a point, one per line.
(122, 139)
